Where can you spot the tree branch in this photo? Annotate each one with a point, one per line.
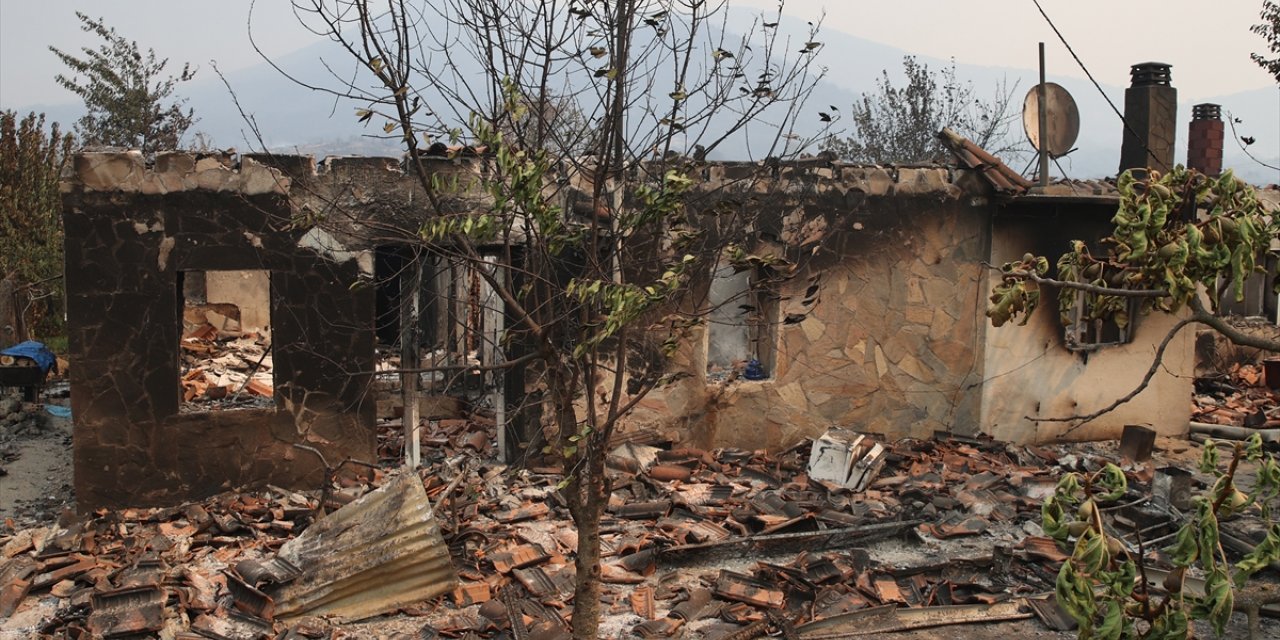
(1083, 286)
(1199, 315)
(1208, 319)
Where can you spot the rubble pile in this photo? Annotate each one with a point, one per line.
(1239, 397)
(672, 509)
(18, 418)
(716, 544)
(223, 369)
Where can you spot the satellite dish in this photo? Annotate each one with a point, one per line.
(1062, 119)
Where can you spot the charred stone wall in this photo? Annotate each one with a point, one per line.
(130, 231)
(881, 331)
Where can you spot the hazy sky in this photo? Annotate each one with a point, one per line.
(1208, 43)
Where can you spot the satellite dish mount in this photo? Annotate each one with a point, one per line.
(1051, 120)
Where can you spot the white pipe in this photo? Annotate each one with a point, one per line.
(1234, 433)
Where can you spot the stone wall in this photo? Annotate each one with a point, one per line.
(891, 339)
(130, 231)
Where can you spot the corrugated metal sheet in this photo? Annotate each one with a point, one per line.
(373, 556)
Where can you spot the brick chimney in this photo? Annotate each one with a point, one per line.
(1150, 111)
(1204, 141)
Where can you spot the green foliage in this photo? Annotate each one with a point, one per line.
(1174, 233)
(900, 124)
(1100, 585)
(31, 160)
(127, 99)
(1269, 29)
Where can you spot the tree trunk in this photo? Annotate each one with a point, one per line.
(9, 322)
(586, 592)
(585, 495)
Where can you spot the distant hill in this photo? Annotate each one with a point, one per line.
(295, 119)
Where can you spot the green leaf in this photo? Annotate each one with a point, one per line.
(1074, 595)
(1217, 603)
(1209, 457)
(1261, 556)
(1113, 622)
(1184, 551)
(1112, 479)
(1091, 551)
(1052, 520)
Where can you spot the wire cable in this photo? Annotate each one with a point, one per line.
(1120, 115)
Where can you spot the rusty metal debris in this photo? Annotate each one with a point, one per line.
(891, 618)
(377, 554)
(128, 611)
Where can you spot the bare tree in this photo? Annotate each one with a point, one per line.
(591, 117)
(900, 124)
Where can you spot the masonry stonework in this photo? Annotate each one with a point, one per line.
(130, 232)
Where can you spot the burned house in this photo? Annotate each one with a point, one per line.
(883, 329)
(892, 340)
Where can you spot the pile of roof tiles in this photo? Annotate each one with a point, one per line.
(673, 508)
(1241, 397)
(718, 541)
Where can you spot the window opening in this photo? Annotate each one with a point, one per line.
(741, 325)
(224, 351)
(1085, 332)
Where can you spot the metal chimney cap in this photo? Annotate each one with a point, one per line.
(1151, 74)
(1206, 111)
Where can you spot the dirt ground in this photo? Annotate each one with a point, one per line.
(36, 483)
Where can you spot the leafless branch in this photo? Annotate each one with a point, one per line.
(1198, 315)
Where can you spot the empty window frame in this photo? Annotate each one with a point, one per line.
(224, 349)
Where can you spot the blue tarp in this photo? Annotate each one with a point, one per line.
(36, 351)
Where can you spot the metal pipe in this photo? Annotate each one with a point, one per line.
(1044, 124)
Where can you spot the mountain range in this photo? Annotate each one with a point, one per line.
(292, 118)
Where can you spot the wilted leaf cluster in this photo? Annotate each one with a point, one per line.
(1100, 585)
(1174, 233)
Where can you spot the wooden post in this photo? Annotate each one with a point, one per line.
(493, 355)
(410, 358)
